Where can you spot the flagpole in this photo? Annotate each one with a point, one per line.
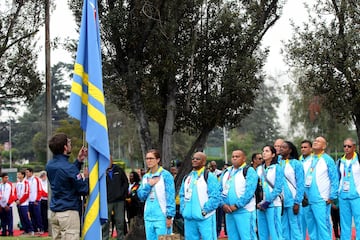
(48, 90)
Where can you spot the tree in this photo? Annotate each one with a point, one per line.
(32, 121)
(262, 123)
(19, 23)
(326, 51)
(310, 119)
(190, 66)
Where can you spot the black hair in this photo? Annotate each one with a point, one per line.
(274, 160)
(136, 176)
(307, 141)
(294, 153)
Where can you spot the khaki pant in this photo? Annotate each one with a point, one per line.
(65, 225)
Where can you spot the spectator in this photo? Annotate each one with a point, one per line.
(117, 188)
(133, 205)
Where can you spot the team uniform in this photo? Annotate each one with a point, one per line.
(293, 192)
(269, 221)
(305, 209)
(7, 197)
(22, 192)
(349, 196)
(238, 189)
(34, 203)
(199, 199)
(321, 184)
(44, 204)
(159, 202)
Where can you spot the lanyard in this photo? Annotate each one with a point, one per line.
(284, 162)
(314, 161)
(192, 181)
(157, 173)
(233, 171)
(348, 169)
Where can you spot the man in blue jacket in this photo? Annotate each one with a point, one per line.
(237, 185)
(321, 186)
(199, 198)
(67, 185)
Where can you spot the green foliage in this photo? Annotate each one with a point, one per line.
(188, 66)
(120, 163)
(261, 125)
(310, 119)
(326, 52)
(39, 146)
(14, 154)
(19, 23)
(28, 132)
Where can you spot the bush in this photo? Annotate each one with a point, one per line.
(120, 163)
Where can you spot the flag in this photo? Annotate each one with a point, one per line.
(87, 104)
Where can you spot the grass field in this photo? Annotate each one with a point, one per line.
(27, 238)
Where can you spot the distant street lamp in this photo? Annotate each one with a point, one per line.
(10, 155)
(225, 145)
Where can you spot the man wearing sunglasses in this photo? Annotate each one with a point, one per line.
(199, 198)
(349, 190)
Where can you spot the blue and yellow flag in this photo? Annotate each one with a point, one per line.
(87, 104)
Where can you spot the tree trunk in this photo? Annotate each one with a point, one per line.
(356, 119)
(142, 122)
(169, 127)
(186, 165)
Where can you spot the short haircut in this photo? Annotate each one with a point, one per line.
(57, 143)
(4, 174)
(307, 141)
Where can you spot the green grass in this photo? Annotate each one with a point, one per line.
(27, 238)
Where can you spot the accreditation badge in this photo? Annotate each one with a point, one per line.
(188, 194)
(308, 180)
(346, 186)
(152, 195)
(226, 189)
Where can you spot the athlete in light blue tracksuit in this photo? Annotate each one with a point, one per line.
(157, 189)
(199, 198)
(321, 185)
(349, 190)
(306, 155)
(293, 192)
(269, 209)
(237, 185)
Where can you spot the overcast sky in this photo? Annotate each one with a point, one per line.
(62, 25)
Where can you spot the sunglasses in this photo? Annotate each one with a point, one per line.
(195, 158)
(348, 146)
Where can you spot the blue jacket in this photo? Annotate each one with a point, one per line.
(294, 182)
(206, 195)
(324, 184)
(67, 185)
(160, 198)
